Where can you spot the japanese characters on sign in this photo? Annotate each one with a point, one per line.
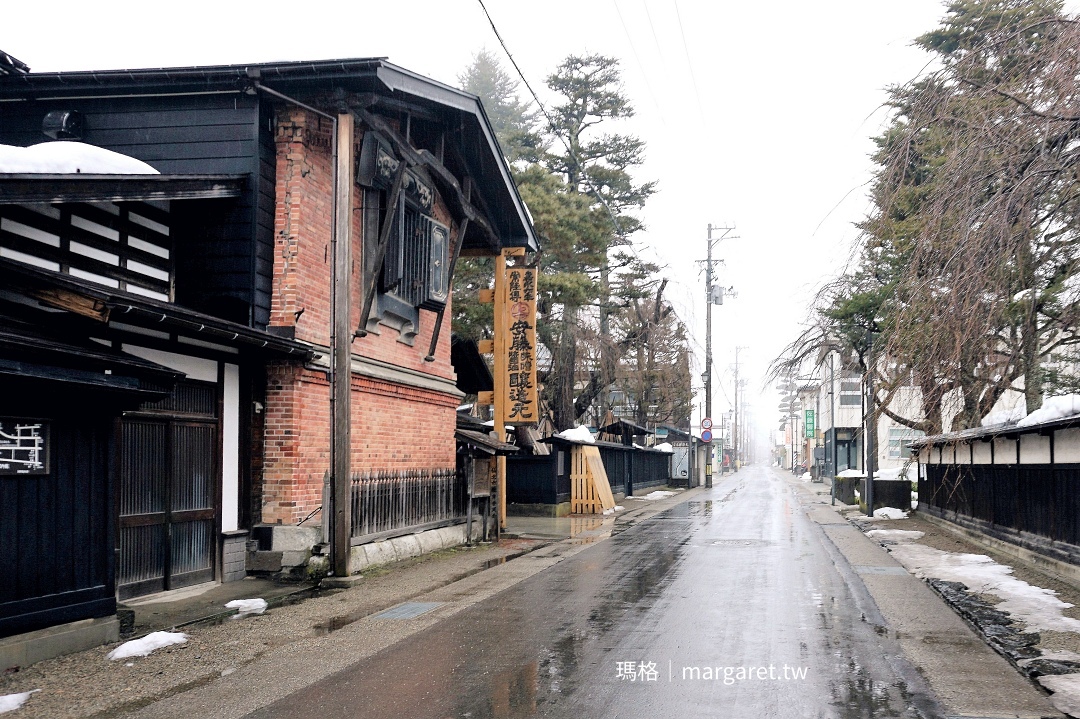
(809, 424)
(521, 405)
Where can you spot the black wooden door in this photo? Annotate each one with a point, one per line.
(168, 502)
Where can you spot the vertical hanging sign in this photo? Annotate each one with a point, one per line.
(520, 406)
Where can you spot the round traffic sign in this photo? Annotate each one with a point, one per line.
(706, 436)
(706, 423)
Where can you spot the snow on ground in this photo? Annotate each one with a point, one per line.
(615, 509)
(1053, 408)
(806, 476)
(1066, 688)
(1037, 608)
(851, 473)
(68, 157)
(143, 646)
(580, 433)
(896, 535)
(247, 607)
(11, 702)
(659, 494)
(890, 513)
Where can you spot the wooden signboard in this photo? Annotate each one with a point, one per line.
(518, 369)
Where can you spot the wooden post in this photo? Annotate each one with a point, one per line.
(341, 350)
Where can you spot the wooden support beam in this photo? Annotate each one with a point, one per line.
(73, 302)
(449, 187)
(380, 251)
(341, 359)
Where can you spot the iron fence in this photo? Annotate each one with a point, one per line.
(389, 503)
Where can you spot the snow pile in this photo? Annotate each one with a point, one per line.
(664, 447)
(247, 607)
(69, 157)
(1053, 408)
(890, 513)
(11, 702)
(852, 473)
(615, 509)
(658, 494)
(805, 476)
(580, 434)
(143, 646)
(1066, 688)
(1039, 609)
(1004, 416)
(895, 535)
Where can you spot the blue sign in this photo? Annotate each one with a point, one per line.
(706, 436)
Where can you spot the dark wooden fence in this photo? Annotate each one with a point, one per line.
(1031, 499)
(630, 469)
(389, 504)
(545, 479)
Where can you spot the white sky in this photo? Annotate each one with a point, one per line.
(773, 136)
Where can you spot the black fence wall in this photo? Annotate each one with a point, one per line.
(545, 479)
(1034, 499)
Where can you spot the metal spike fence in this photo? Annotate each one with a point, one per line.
(389, 502)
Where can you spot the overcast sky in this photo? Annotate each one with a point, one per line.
(756, 115)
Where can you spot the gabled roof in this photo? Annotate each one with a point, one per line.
(381, 83)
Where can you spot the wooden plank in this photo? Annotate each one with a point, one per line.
(599, 476)
(74, 302)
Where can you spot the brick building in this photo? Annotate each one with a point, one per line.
(208, 282)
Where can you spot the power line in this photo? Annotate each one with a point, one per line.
(551, 123)
(686, 51)
(641, 66)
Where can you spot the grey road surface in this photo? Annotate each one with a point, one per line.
(732, 604)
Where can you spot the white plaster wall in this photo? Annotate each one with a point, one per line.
(1034, 449)
(230, 455)
(982, 452)
(1004, 451)
(1067, 446)
(195, 368)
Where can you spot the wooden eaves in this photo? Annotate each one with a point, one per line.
(18, 188)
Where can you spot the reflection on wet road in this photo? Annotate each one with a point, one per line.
(728, 605)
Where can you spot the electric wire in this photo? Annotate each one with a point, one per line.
(637, 57)
(551, 124)
(690, 65)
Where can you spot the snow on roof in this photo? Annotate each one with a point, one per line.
(1053, 408)
(580, 434)
(664, 447)
(67, 157)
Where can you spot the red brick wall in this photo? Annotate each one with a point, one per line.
(394, 426)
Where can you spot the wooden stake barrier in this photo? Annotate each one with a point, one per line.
(590, 492)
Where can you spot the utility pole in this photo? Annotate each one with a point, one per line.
(711, 297)
(735, 424)
(871, 449)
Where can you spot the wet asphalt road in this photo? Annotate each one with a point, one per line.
(738, 577)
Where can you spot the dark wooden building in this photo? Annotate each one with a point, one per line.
(162, 318)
